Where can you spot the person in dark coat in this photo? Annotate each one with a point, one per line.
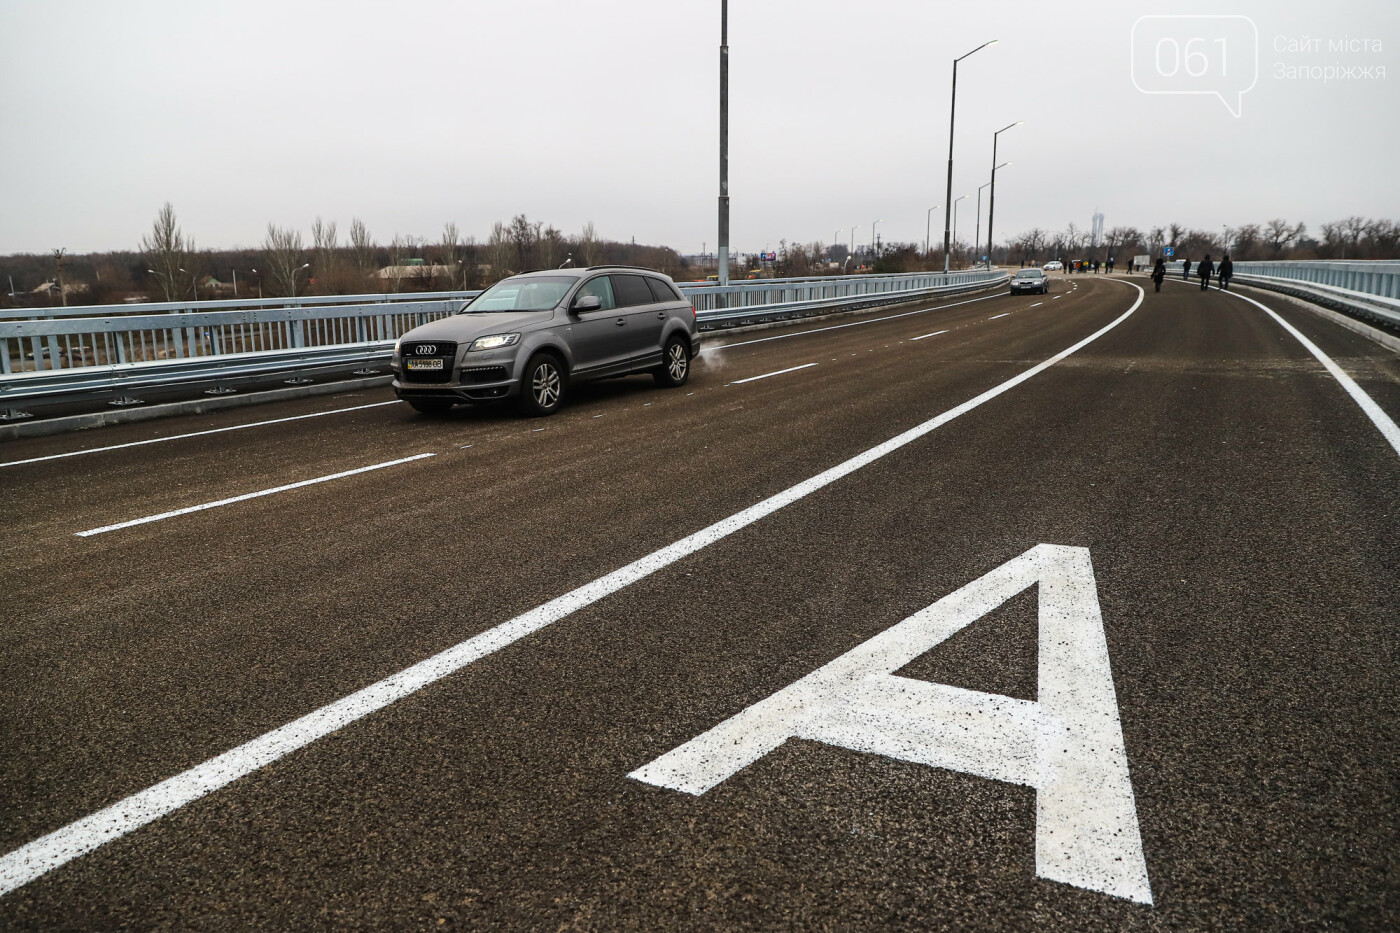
(1159, 272)
(1204, 270)
(1226, 270)
(1186, 270)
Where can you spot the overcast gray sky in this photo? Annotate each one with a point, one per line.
(412, 114)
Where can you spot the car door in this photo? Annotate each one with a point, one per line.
(598, 341)
(642, 335)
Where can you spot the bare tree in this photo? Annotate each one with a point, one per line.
(166, 252)
(588, 244)
(324, 241)
(500, 251)
(283, 255)
(1174, 234)
(447, 253)
(361, 247)
(399, 248)
(525, 236)
(1278, 234)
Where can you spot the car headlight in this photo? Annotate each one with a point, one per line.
(494, 342)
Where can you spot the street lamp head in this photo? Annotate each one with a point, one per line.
(306, 265)
(153, 272)
(1002, 165)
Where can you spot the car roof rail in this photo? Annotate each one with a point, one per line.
(619, 265)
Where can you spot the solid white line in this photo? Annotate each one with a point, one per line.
(877, 320)
(1387, 426)
(78, 838)
(922, 336)
(995, 316)
(790, 369)
(177, 437)
(1037, 304)
(246, 496)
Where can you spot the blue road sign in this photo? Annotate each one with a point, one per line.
(1169, 251)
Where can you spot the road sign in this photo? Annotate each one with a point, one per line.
(1169, 251)
(1068, 744)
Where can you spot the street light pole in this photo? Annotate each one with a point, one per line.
(872, 234)
(952, 111)
(853, 239)
(928, 225)
(992, 203)
(724, 142)
(294, 276)
(977, 237)
(955, 232)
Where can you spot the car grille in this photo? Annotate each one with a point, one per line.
(446, 350)
(472, 375)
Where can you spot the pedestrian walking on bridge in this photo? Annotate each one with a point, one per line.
(1186, 270)
(1159, 272)
(1204, 270)
(1225, 272)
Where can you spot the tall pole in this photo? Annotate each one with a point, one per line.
(872, 235)
(724, 142)
(952, 110)
(977, 237)
(955, 229)
(928, 226)
(992, 204)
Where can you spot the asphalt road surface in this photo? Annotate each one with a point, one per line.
(1060, 612)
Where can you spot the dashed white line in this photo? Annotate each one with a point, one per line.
(1037, 304)
(891, 317)
(177, 437)
(82, 836)
(790, 369)
(246, 496)
(995, 316)
(922, 336)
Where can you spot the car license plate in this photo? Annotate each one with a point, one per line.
(424, 364)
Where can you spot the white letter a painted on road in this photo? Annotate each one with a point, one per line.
(1068, 744)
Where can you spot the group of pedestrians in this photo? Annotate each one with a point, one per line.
(1224, 272)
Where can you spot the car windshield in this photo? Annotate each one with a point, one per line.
(1029, 274)
(522, 294)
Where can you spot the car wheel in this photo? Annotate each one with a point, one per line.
(542, 386)
(431, 406)
(675, 368)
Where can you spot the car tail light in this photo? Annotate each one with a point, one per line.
(693, 314)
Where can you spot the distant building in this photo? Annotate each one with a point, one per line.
(414, 270)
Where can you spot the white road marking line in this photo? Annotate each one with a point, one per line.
(1068, 744)
(922, 336)
(177, 437)
(790, 369)
(82, 836)
(1387, 426)
(1056, 298)
(1037, 304)
(246, 496)
(892, 317)
(995, 316)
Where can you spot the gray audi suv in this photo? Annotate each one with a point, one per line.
(531, 336)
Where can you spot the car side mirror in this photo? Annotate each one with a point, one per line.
(587, 303)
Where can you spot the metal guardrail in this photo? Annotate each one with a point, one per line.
(1381, 279)
(135, 347)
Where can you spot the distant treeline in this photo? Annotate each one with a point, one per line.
(169, 267)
